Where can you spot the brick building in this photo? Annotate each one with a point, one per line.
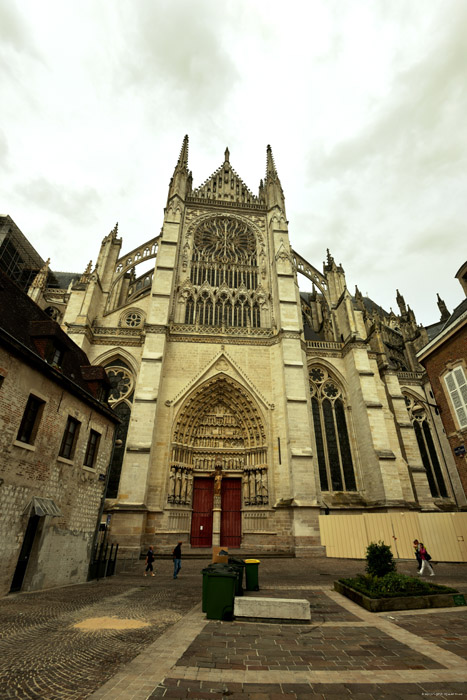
(445, 361)
(56, 441)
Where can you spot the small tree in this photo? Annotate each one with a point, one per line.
(379, 559)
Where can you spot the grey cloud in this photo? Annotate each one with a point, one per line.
(429, 95)
(70, 203)
(13, 31)
(178, 47)
(436, 239)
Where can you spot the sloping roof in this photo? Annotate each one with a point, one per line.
(61, 280)
(29, 254)
(21, 319)
(433, 330)
(457, 313)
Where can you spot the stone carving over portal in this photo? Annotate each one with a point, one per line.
(219, 430)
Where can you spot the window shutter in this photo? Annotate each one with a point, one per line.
(457, 387)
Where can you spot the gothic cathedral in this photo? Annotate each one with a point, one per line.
(248, 408)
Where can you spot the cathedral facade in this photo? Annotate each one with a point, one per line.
(249, 408)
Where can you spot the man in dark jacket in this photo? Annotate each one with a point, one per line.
(149, 561)
(177, 557)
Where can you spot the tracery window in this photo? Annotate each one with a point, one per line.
(426, 446)
(54, 313)
(224, 274)
(120, 400)
(335, 465)
(132, 319)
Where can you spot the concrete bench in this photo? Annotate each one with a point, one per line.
(272, 608)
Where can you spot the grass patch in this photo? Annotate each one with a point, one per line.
(393, 585)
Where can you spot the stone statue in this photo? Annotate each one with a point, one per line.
(217, 480)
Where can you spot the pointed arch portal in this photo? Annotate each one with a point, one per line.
(219, 459)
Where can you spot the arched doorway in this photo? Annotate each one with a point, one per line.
(219, 460)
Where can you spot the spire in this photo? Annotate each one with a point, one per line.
(182, 162)
(112, 236)
(178, 183)
(270, 165)
(443, 309)
(39, 282)
(401, 302)
(227, 156)
(84, 279)
(274, 193)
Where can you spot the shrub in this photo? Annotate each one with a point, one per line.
(379, 559)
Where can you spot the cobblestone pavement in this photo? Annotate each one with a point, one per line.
(43, 656)
(346, 652)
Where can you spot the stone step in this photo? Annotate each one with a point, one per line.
(272, 609)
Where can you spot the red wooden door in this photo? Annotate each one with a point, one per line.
(201, 520)
(231, 517)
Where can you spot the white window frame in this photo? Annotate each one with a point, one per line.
(456, 388)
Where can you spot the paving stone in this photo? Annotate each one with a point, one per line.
(63, 663)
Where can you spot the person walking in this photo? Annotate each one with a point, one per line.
(177, 557)
(425, 560)
(149, 561)
(416, 546)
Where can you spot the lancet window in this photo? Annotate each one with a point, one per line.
(224, 275)
(421, 426)
(335, 464)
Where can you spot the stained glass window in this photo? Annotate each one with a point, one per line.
(335, 465)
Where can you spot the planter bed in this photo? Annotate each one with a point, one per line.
(414, 602)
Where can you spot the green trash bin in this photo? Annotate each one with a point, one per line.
(238, 565)
(211, 567)
(220, 594)
(251, 574)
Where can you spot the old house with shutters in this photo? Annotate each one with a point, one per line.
(56, 442)
(249, 407)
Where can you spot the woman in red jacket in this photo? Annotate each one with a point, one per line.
(424, 557)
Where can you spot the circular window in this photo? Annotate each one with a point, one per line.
(317, 374)
(330, 390)
(133, 319)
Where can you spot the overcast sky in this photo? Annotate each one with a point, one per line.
(363, 103)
